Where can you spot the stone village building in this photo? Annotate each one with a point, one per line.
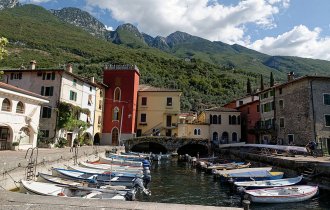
(19, 116)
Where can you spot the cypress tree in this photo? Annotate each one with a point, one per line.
(271, 79)
(261, 82)
(248, 87)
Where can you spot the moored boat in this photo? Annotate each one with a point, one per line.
(48, 189)
(104, 172)
(120, 162)
(282, 194)
(109, 167)
(224, 172)
(255, 176)
(99, 179)
(269, 183)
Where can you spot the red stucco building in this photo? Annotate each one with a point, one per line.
(119, 119)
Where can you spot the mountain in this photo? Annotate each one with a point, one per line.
(81, 19)
(8, 4)
(36, 34)
(129, 35)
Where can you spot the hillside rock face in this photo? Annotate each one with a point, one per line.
(8, 4)
(81, 19)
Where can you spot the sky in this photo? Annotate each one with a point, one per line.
(275, 27)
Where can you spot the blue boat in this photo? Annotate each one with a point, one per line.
(126, 157)
(254, 176)
(102, 179)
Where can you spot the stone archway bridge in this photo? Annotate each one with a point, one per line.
(172, 144)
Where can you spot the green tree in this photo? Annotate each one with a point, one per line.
(248, 86)
(271, 79)
(262, 87)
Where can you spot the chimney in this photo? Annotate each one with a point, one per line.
(290, 76)
(93, 79)
(69, 67)
(33, 64)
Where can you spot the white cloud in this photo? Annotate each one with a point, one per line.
(300, 41)
(205, 18)
(109, 28)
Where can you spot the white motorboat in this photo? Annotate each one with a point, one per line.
(269, 183)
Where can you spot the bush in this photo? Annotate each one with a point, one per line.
(14, 144)
(61, 142)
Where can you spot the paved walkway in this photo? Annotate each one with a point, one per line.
(11, 200)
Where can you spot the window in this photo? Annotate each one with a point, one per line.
(20, 108)
(44, 133)
(117, 94)
(280, 90)
(143, 118)
(100, 104)
(144, 101)
(90, 100)
(47, 91)
(16, 76)
(46, 112)
(327, 120)
(6, 106)
(169, 101)
(48, 76)
(240, 103)
(281, 104)
(326, 99)
(101, 93)
(73, 96)
(74, 82)
(272, 92)
(215, 119)
(291, 139)
(115, 115)
(197, 131)
(233, 120)
(229, 119)
(281, 122)
(90, 89)
(234, 137)
(99, 120)
(211, 119)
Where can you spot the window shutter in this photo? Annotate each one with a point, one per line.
(53, 75)
(42, 90)
(51, 91)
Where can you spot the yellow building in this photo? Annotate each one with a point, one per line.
(98, 115)
(158, 111)
(189, 126)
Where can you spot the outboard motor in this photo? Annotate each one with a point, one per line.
(130, 195)
(138, 184)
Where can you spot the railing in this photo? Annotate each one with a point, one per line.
(121, 67)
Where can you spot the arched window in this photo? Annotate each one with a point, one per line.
(210, 119)
(198, 131)
(115, 114)
(234, 137)
(117, 94)
(215, 119)
(224, 138)
(195, 132)
(20, 108)
(219, 119)
(6, 106)
(215, 136)
(233, 120)
(230, 120)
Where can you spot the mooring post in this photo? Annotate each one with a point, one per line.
(246, 204)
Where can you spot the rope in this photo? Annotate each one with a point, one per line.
(11, 178)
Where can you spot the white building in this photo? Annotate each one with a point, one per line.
(19, 116)
(58, 86)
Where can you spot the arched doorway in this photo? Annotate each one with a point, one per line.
(97, 139)
(234, 137)
(87, 138)
(224, 138)
(193, 150)
(147, 147)
(114, 137)
(5, 137)
(215, 136)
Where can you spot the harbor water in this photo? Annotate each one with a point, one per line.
(178, 182)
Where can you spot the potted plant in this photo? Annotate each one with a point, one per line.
(15, 146)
